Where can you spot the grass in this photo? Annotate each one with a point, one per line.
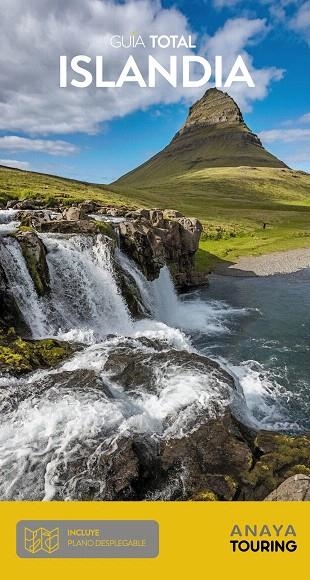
(232, 203)
(18, 184)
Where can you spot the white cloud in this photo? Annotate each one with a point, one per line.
(300, 23)
(285, 135)
(57, 147)
(33, 38)
(299, 157)
(231, 40)
(305, 118)
(15, 163)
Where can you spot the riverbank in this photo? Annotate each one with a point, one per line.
(267, 265)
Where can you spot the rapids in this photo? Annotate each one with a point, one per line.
(146, 377)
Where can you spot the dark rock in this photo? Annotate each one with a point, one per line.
(32, 218)
(130, 293)
(89, 206)
(11, 203)
(170, 214)
(141, 369)
(138, 213)
(10, 315)
(156, 241)
(278, 457)
(29, 204)
(190, 232)
(210, 459)
(157, 218)
(140, 241)
(91, 475)
(78, 380)
(116, 212)
(119, 211)
(34, 253)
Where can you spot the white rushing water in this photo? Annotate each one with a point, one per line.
(7, 222)
(130, 377)
(22, 287)
(85, 299)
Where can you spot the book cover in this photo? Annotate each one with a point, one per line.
(154, 288)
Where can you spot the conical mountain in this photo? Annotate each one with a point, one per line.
(214, 135)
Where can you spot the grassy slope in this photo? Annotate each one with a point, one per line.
(233, 203)
(17, 184)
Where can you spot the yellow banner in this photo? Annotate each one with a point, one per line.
(246, 540)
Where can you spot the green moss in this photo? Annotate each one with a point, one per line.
(301, 469)
(22, 229)
(283, 456)
(105, 228)
(32, 266)
(205, 495)
(232, 484)
(9, 357)
(18, 355)
(34, 258)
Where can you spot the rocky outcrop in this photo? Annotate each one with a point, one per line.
(130, 292)
(217, 458)
(152, 241)
(140, 370)
(34, 253)
(212, 463)
(152, 238)
(295, 488)
(226, 460)
(31, 204)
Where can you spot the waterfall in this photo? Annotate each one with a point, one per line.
(143, 285)
(7, 221)
(132, 378)
(22, 287)
(161, 300)
(85, 303)
(85, 298)
(6, 215)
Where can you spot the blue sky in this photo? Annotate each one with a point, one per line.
(98, 135)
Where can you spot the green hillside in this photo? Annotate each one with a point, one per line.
(19, 184)
(232, 203)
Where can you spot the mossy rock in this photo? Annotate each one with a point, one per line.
(19, 356)
(34, 253)
(105, 228)
(281, 457)
(22, 229)
(206, 495)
